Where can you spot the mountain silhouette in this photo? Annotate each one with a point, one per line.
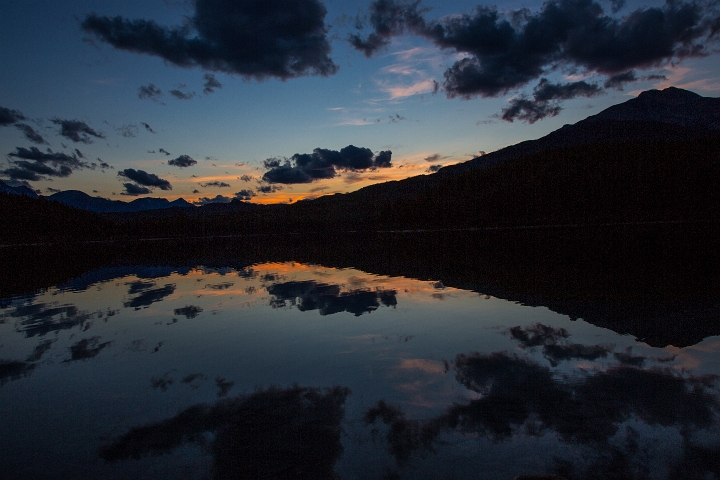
(19, 190)
(83, 201)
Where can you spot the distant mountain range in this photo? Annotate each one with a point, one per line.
(20, 190)
(83, 201)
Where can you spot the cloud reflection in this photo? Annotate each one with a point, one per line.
(328, 298)
(602, 410)
(273, 433)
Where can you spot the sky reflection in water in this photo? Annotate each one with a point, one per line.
(146, 372)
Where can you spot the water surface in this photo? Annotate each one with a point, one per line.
(299, 370)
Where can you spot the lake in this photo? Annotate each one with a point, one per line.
(404, 355)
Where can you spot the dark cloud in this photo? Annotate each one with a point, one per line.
(244, 37)
(14, 370)
(617, 81)
(223, 386)
(30, 133)
(86, 348)
(141, 177)
(150, 91)
(247, 178)
(182, 95)
(211, 83)
(433, 168)
(329, 299)
(216, 199)
(275, 433)
(519, 397)
(388, 19)
(269, 189)
(40, 350)
(215, 183)
(245, 195)
(150, 296)
(77, 131)
(183, 161)
(134, 190)
(147, 127)
(79, 153)
(322, 163)
(504, 52)
(162, 150)
(434, 157)
(546, 100)
(41, 318)
(8, 117)
(556, 348)
(617, 5)
(34, 165)
(190, 311)
(128, 131)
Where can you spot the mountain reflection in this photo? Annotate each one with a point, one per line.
(329, 299)
(274, 433)
(613, 411)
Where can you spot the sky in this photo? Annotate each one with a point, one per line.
(275, 101)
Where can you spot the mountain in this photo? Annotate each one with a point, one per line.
(83, 201)
(669, 114)
(21, 190)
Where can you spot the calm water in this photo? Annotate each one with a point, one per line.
(291, 370)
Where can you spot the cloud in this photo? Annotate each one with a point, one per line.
(147, 127)
(247, 178)
(328, 299)
(34, 165)
(388, 19)
(128, 131)
(604, 410)
(616, 81)
(190, 311)
(216, 199)
(86, 348)
(299, 428)
(433, 168)
(77, 131)
(30, 133)
(162, 150)
(181, 95)
(322, 163)
(504, 52)
(150, 296)
(211, 83)
(8, 117)
(243, 37)
(135, 190)
(215, 183)
(556, 348)
(434, 157)
(546, 100)
(141, 177)
(183, 161)
(150, 91)
(269, 188)
(42, 318)
(245, 195)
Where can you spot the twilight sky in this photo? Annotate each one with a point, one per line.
(279, 100)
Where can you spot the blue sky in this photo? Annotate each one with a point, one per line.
(53, 69)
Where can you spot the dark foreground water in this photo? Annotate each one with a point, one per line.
(221, 366)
